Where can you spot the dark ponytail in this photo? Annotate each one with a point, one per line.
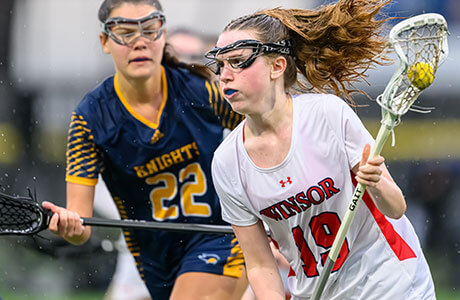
(169, 59)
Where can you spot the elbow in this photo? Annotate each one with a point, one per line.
(399, 212)
(395, 204)
(396, 216)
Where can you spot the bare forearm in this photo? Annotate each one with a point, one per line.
(385, 193)
(388, 198)
(66, 223)
(80, 199)
(266, 283)
(262, 270)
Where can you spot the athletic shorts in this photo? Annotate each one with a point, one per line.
(185, 252)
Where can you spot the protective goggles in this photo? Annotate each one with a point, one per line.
(244, 60)
(124, 31)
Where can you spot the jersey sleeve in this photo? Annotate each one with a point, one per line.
(221, 107)
(83, 160)
(349, 129)
(233, 210)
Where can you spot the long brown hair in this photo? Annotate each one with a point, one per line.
(169, 58)
(333, 45)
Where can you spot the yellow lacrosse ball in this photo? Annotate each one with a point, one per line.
(421, 75)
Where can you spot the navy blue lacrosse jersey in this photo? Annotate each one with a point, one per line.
(154, 171)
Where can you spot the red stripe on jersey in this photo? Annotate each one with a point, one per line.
(291, 272)
(277, 246)
(399, 246)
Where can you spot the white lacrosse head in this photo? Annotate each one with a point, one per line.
(421, 45)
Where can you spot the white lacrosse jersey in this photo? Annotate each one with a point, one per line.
(304, 199)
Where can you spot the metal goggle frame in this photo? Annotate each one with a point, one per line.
(124, 31)
(244, 61)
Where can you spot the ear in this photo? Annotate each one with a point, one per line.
(103, 38)
(278, 67)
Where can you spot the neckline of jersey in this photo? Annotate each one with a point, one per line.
(124, 102)
(291, 148)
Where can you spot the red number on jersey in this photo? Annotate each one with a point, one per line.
(324, 228)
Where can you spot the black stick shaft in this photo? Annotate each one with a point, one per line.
(136, 224)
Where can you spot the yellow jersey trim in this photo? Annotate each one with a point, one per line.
(128, 107)
(81, 180)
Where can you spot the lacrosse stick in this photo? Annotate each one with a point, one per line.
(421, 46)
(24, 216)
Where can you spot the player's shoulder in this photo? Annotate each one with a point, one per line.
(180, 73)
(321, 103)
(181, 81)
(97, 98)
(101, 111)
(319, 99)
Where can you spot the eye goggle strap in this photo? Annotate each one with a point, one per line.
(282, 47)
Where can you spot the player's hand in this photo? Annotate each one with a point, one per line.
(64, 222)
(369, 171)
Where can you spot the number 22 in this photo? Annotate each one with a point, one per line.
(324, 228)
(188, 191)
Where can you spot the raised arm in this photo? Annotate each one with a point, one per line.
(386, 194)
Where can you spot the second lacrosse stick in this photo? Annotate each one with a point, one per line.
(421, 45)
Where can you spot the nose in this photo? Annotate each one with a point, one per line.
(226, 74)
(139, 42)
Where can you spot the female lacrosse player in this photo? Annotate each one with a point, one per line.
(151, 130)
(292, 161)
